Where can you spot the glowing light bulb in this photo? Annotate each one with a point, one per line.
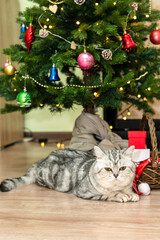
(96, 94)
(124, 118)
(128, 113)
(58, 145)
(147, 15)
(149, 88)
(111, 127)
(62, 9)
(96, 4)
(145, 99)
(47, 19)
(114, 3)
(62, 145)
(15, 90)
(42, 144)
(121, 89)
(45, 26)
(139, 95)
(50, 26)
(78, 22)
(41, 104)
(128, 82)
(134, 17)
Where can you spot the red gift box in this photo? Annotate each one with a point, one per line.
(137, 138)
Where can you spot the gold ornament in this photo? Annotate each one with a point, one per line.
(10, 69)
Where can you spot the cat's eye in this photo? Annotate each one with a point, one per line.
(108, 169)
(122, 168)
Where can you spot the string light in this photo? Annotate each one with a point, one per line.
(45, 26)
(62, 145)
(147, 15)
(96, 94)
(58, 105)
(96, 4)
(145, 99)
(42, 144)
(134, 17)
(62, 9)
(47, 19)
(128, 113)
(78, 22)
(58, 145)
(15, 90)
(128, 82)
(114, 3)
(41, 104)
(139, 95)
(111, 127)
(149, 88)
(121, 89)
(50, 26)
(124, 118)
(107, 39)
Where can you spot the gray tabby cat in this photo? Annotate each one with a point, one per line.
(97, 176)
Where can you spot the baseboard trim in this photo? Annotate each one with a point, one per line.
(49, 135)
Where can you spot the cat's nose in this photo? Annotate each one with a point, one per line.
(115, 175)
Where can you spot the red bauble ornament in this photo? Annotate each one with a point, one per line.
(85, 60)
(128, 42)
(155, 37)
(29, 37)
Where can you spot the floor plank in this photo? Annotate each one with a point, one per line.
(33, 212)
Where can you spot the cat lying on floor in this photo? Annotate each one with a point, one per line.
(93, 175)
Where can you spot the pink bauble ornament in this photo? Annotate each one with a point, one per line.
(5, 64)
(85, 60)
(155, 37)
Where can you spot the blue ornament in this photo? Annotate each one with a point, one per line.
(54, 74)
(23, 29)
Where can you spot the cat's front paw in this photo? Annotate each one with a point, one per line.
(134, 197)
(121, 197)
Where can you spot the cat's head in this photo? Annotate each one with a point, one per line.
(114, 168)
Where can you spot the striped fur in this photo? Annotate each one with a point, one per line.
(89, 175)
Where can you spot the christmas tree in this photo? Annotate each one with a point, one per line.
(104, 40)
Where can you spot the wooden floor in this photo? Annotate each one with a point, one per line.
(36, 213)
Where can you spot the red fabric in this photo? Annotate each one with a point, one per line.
(139, 169)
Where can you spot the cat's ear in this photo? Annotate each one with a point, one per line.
(129, 151)
(98, 152)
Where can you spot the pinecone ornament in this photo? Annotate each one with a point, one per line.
(43, 33)
(107, 54)
(134, 6)
(79, 2)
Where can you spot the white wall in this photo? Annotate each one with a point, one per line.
(44, 121)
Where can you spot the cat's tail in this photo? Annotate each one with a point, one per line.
(11, 183)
